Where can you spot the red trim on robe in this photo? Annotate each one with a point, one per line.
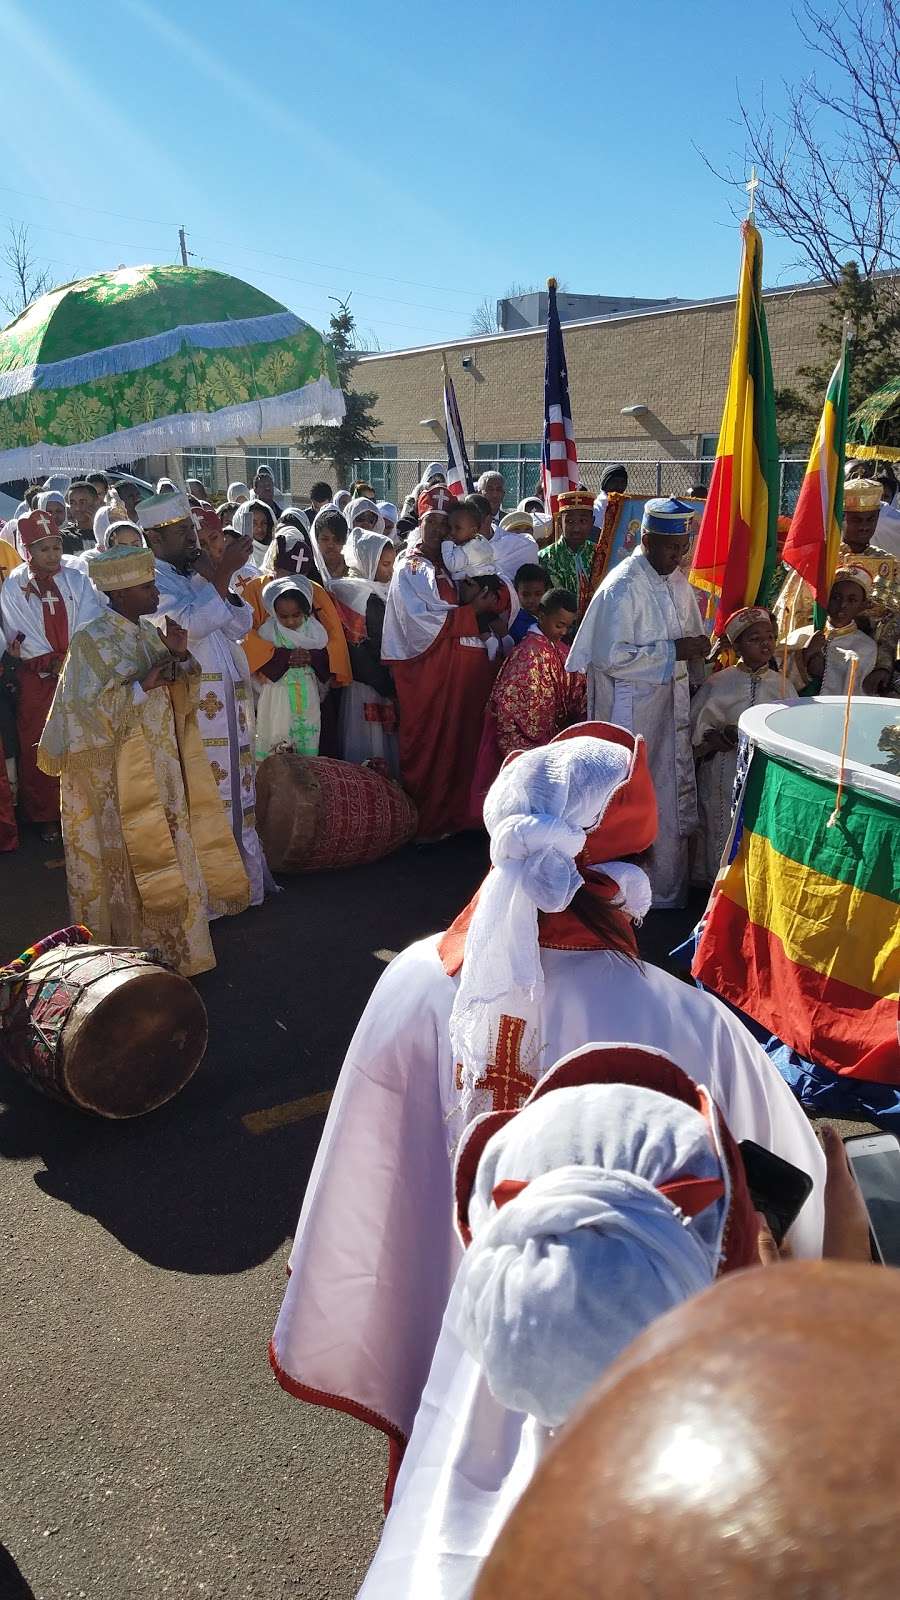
(38, 793)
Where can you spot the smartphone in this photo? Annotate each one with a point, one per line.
(777, 1188)
(875, 1159)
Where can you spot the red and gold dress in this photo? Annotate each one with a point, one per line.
(533, 699)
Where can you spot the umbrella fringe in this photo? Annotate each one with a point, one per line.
(317, 404)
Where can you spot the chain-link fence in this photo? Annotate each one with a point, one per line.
(394, 477)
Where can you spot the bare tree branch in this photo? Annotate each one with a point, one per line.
(29, 281)
(829, 164)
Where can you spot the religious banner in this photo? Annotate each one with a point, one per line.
(621, 533)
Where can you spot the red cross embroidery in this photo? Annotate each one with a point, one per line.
(505, 1077)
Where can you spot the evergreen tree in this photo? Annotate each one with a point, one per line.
(354, 438)
(875, 314)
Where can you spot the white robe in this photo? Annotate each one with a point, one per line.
(375, 1252)
(24, 613)
(215, 629)
(716, 705)
(469, 1459)
(841, 645)
(626, 646)
(513, 550)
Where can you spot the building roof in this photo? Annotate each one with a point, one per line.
(666, 309)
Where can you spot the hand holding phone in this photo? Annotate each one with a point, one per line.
(875, 1163)
(777, 1188)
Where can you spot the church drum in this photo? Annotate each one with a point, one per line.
(106, 1029)
(315, 814)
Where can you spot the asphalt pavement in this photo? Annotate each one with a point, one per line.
(145, 1449)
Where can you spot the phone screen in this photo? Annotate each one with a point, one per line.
(878, 1175)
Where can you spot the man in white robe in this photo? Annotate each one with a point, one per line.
(375, 1254)
(196, 594)
(640, 645)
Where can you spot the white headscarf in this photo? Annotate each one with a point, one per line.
(310, 635)
(238, 493)
(358, 508)
(559, 1279)
(538, 812)
(242, 523)
(435, 469)
(370, 548)
(292, 537)
(388, 512)
(50, 497)
(342, 498)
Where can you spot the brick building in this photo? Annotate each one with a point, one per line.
(647, 387)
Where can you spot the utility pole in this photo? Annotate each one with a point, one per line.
(184, 249)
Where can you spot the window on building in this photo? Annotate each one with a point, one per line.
(519, 465)
(201, 463)
(380, 470)
(276, 456)
(706, 450)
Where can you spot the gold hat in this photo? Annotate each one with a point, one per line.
(862, 494)
(576, 500)
(110, 570)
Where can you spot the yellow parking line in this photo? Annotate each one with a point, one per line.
(312, 1105)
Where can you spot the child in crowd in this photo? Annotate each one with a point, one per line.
(534, 696)
(531, 586)
(288, 715)
(466, 551)
(368, 710)
(715, 710)
(820, 659)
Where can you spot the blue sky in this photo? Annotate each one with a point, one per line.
(420, 156)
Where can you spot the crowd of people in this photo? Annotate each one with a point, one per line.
(434, 640)
(532, 1154)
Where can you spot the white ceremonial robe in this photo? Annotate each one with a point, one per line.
(370, 1261)
(718, 704)
(626, 647)
(375, 1252)
(225, 706)
(24, 613)
(841, 645)
(513, 550)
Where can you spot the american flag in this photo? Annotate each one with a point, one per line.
(559, 458)
(459, 473)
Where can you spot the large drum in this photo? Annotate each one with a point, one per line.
(314, 814)
(803, 928)
(104, 1028)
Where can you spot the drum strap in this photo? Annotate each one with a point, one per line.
(220, 860)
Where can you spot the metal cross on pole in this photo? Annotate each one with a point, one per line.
(751, 189)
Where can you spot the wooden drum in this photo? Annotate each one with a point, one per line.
(314, 814)
(106, 1029)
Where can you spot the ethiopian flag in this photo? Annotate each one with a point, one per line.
(812, 544)
(803, 932)
(736, 550)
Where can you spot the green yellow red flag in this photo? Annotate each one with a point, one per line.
(812, 544)
(735, 554)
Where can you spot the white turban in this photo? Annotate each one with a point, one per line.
(538, 812)
(435, 469)
(562, 1277)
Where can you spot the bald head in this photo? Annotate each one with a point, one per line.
(733, 1451)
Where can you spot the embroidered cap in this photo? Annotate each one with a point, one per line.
(159, 510)
(34, 527)
(747, 617)
(862, 494)
(110, 570)
(575, 500)
(848, 574)
(670, 516)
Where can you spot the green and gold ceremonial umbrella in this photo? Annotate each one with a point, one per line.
(151, 359)
(873, 429)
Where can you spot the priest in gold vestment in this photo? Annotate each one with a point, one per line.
(148, 846)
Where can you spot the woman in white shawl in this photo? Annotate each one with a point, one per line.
(255, 520)
(368, 714)
(363, 516)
